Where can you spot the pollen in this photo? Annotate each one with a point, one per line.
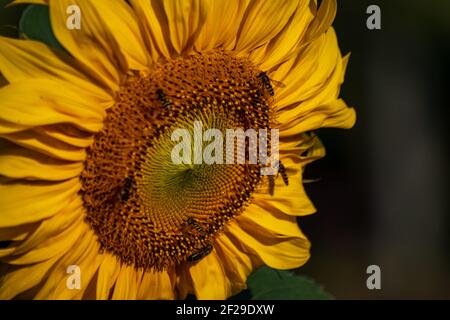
(146, 210)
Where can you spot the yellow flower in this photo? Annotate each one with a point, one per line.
(84, 145)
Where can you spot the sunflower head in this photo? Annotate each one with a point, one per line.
(88, 134)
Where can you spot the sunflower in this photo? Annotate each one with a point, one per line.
(85, 178)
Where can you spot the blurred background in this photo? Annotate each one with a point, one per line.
(383, 197)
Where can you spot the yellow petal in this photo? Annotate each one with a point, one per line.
(52, 227)
(184, 285)
(185, 19)
(43, 2)
(262, 21)
(209, 279)
(84, 254)
(21, 163)
(334, 114)
(126, 284)
(68, 134)
(4, 252)
(107, 275)
(25, 59)
(287, 42)
(109, 41)
(237, 265)
(22, 279)
(154, 24)
(324, 17)
(46, 145)
(218, 32)
(291, 199)
(25, 202)
(277, 253)
(42, 102)
(16, 233)
(157, 286)
(307, 75)
(266, 218)
(51, 247)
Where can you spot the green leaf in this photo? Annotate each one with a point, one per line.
(35, 25)
(270, 284)
(9, 19)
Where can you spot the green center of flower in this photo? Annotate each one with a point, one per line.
(145, 208)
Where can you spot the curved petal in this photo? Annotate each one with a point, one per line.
(269, 219)
(67, 133)
(287, 42)
(109, 41)
(171, 27)
(17, 233)
(262, 21)
(278, 253)
(154, 25)
(307, 75)
(185, 19)
(184, 285)
(334, 114)
(44, 2)
(35, 102)
(84, 254)
(209, 279)
(21, 163)
(51, 247)
(126, 284)
(22, 279)
(25, 202)
(46, 145)
(26, 59)
(324, 17)
(291, 199)
(237, 265)
(52, 227)
(107, 275)
(157, 286)
(221, 25)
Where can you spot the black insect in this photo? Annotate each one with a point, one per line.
(162, 97)
(200, 254)
(194, 224)
(284, 176)
(271, 185)
(282, 171)
(267, 82)
(125, 192)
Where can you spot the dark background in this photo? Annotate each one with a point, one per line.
(383, 194)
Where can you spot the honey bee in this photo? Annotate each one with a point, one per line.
(271, 185)
(203, 252)
(267, 82)
(194, 224)
(125, 192)
(284, 176)
(282, 171)
(165, 102)
(196, 256)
